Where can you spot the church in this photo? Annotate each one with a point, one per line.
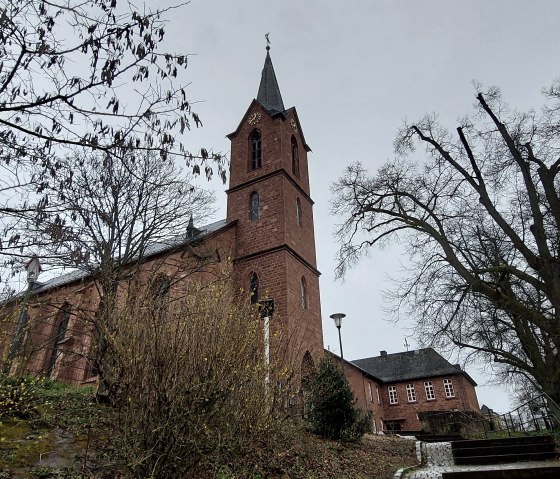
(268, 235)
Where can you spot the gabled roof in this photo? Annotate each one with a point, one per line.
(193, 235)
(269, 94)
(351, 364)
(421, 363)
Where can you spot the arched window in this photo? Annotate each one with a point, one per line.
(254, 288)
(255, 150)
(160, 292)
(304, 302)
(298, 212)
(295, 157)
(254, 206)
(60, 328)
(307, 370)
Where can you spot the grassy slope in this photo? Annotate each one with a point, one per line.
(303, 455)
(66, 430)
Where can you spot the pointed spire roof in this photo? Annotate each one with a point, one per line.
(269, 93)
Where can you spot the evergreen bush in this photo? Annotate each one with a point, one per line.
(331, 405)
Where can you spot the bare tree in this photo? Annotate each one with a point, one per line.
(109, 215)
(79, 74)
(480, 218)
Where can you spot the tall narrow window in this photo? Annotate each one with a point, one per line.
(254, 288)
(410, 393)
(370, 390)
(254, 206)
(256, 150)
(298, 212)
(61, 326)
(430, 393)
(295, 157)
(160, 293)
(303, 293)
(393, 395)
(448, 386)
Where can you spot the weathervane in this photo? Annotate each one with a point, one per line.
(406, 345)
(267, 41)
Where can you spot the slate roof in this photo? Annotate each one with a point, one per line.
(418, 364)
(269, 92)
(193, 234)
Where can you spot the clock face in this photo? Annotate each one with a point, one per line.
(294, 125)
(254, 118)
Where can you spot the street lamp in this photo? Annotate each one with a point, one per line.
(33, 268)
(337, 318)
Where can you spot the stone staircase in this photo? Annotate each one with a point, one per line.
(512, 458)
(500, 451)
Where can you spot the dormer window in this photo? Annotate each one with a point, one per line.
(295, 157)
(255, 150)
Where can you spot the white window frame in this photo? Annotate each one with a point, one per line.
(377, 394)
(430, 391)
(448, 388)
(393, 398)
(370, 390)
(410, 393)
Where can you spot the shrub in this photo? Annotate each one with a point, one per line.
(191, 380)
(332, 413)
(17, 397)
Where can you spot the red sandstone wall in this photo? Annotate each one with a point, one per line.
(71, 365)
(263, 246)
(276, 154)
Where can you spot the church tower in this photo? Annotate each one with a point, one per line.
(269, 199)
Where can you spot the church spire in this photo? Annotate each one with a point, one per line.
(269, 93)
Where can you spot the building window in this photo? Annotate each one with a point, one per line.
(256, 150)
(298, 212)
(160, 291)
(448, 387)
(378, 395)
(295, 157)
(430, 394)
(370, 390)
(254, 206)
(393, 395)
(254, 288)
(410, 393)
(60, 329)
(304, 302)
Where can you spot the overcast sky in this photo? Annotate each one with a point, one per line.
(355, 70)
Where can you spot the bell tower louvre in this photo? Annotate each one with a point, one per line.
(269, 199)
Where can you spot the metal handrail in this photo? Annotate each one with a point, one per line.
(513, 421)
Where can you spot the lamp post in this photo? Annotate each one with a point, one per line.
(33, 268)
(337, 318)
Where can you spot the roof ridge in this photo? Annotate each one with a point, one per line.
(153, 248)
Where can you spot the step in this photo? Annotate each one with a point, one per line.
(439, 437)
(505, 458)
(503, 449)
(542, 472)
(523, 440)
